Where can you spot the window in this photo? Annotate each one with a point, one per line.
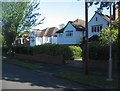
(100, 27)
(38, 38)
(96, 19)
(69, 33)
(92, 29)
(96, 28)
(46, 38)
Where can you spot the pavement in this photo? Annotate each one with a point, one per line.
(15, 77)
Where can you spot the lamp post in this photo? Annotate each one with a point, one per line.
(110, 50)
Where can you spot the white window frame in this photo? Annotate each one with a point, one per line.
(95, 28)
(69, 33)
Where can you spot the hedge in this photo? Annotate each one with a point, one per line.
(98, 52)
(67, 52)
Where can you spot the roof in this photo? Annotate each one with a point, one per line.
(47, 32)
(78, 24)
(51, 31)
(94, 38)
(105, 17)
(61, 30)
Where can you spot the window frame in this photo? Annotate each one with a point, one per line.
(69, 33)
(96, 28)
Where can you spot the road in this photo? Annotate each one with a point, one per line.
(15, 77)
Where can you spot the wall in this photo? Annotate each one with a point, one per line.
(44, 41)
(69, 39)
(42, 58)
(38, 40)
(53, 40)
(100, 21)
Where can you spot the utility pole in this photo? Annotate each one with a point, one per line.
(86, 49)
(118, 47)
(110, 50)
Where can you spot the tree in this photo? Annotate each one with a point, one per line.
(61, 26)
(105, 35)
(31, 16)
(18, 16)
(0, 40)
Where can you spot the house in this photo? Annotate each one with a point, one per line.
(72, 33)
(99, 22)
(23, 40)
(45, 36)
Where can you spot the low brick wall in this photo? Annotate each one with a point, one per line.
(42, 58)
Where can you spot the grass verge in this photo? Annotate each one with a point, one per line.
(92, 80)
(22, 63)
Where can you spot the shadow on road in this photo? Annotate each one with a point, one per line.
(17, 74)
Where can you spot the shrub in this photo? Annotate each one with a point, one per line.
(5, 50)
(66, 51)
(22, 49)
(98, 52)
(76, 51)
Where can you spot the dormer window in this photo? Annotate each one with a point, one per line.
(96, 19)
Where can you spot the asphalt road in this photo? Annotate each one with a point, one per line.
(15, 77)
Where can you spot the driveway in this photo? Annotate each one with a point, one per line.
(15, 77)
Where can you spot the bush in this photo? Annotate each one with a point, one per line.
(5, 50)
(98, 52)
(66, 51)
(76, 51)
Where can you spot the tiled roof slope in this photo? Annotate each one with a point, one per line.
(78, 24)
(46, 32)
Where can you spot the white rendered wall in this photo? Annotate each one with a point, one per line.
(100, 21)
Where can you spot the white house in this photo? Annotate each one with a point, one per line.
(97, 23)
(71, 33)
(23, 40)
(34, 39)
(46, 36)
(100, 21)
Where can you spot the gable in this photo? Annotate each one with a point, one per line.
(97, 19)
(100, 17)
(69, 27)
(77, 25)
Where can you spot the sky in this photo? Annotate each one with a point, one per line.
(61, 11)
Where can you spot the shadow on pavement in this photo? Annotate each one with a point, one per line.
(17, 74)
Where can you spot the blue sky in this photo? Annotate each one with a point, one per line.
(61, 12)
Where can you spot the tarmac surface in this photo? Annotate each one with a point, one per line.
(15, 77)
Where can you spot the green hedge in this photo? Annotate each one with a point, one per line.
(98, 52)
(68, 52)
(4, 49)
